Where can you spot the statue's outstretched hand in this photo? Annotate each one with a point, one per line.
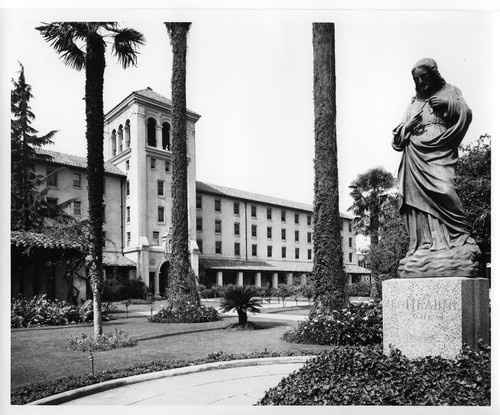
(435, 102)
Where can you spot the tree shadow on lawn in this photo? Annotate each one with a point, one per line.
(261, 325)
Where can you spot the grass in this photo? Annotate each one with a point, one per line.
(42, 354)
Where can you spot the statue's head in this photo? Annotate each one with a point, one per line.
(427, 78)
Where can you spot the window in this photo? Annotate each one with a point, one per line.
(151, 130)
(161, 214)
(51, 177)
(156, 238)
(309, 254)
(167, 167)
(254, 211)
(283, 216)
(350, 226)
(161, 186)
(350, 256)
(236, 208)
(127, 165)
(269, 213)
(218, 247)
(200, 245)
(350, 242)
(309, 220)
(269, 251)
(218, 226)
(237, 249)
(153, 164)
(127, 186)
(128, 214)
(269, 232)
(199, 224)
(297, 218)
(217, 205)
(309, 237)
(254, 250)
(283, 234)
(254, 230)
(296, 236)
(236, 228)
(297, 253)
(128, 238)
(198, 202)
(283, 252)
(77, 208)
(77, 180)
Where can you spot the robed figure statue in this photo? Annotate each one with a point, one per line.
(432, 129)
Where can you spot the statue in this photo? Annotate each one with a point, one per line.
(432, 129)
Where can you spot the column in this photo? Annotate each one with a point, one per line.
(239, 281)
(158, 136)
(303, 278)
(258, 279)
(157, 283)
(289, 278)
(275, 280)
(220, 280)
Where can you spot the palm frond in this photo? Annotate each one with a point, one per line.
(126, 42)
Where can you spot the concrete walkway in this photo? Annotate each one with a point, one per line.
(237, 382)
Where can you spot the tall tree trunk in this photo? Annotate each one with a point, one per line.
(183, 285)
(376, 291)
(94, 110)
(328, 269)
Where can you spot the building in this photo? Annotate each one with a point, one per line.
(236, 237)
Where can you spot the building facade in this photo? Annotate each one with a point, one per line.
(236, 237)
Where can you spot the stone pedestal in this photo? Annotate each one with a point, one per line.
(434, 316)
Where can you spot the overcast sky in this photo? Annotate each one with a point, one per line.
(249, 76)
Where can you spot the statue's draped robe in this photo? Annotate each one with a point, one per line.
(429, 205)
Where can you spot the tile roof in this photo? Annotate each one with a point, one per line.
(255, 197)
(155, 96)
(69, 160)
(41, 240)
(116, 260)
(271, 266)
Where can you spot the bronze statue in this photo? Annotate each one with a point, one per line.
(432, 129)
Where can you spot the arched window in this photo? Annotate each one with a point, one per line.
(113, 143)
(120, 138)
(151, 132)
(127, 134)
(165, 136)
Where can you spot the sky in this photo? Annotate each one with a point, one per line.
(250, 77)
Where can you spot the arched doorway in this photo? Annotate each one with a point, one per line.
(164, 271)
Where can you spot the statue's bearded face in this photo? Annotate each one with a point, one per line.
(424, 81)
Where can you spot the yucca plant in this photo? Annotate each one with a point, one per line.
(241, 298)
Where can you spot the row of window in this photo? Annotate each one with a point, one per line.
(160, 214)
(253, 210)
(152, 165)
(160, 186)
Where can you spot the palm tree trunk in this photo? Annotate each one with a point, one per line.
(94, 110)
(328, 270)
(242, 317)
(183, 284)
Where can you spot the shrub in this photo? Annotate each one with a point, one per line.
(87, 343)
(40, 310)
(363, 375)
(119, 287)
(359, 289)
(355, 325)
(242, 299)
(86, 311)
(187, 313)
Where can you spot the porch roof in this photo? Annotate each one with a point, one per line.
(113, 259)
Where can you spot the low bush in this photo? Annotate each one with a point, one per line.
(40, 310)
(355, 325)
(86, 343)
(188, 313)
(29, 393)
(119, 287)
(86, 311)
(357, 375)
(359, 289)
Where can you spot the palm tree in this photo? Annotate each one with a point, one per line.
(242, 299)
(82, 45)
(370, 191)
(182, 288)
(328, 268)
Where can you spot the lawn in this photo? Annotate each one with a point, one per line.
(41, 354)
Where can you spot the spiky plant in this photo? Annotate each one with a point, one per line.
(243, 299)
